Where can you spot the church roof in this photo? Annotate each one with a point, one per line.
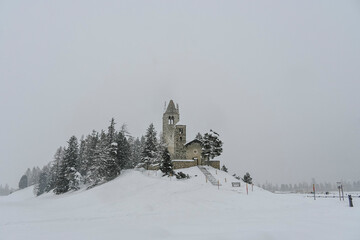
(179, 124)
(171, 108)
(193, 141)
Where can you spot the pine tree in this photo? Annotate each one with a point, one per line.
(212, 145)
(23, 182)
(224, 168)
(111, 131)
(87, 166)
(149, 154)
(81, 158)
(68, 177)
(161, 146)
(98, 170)
(112, 168)
(199, 136)
(166, 164)
(54, 169)
(135, 151)
(123, 157)
(29, 176)
(247, 178)
(43, 181)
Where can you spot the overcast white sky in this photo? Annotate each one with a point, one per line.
(279, 80)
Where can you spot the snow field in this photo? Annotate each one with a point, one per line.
(144, 205)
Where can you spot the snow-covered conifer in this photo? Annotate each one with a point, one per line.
(23, 183)
(43, 181)
(166, 164)
(247, 178)
(212, 145)
(123, 157)
(68, 175)
(149, 154)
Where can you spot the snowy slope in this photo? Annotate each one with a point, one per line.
(143, 205)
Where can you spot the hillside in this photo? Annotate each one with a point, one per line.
(143, 205)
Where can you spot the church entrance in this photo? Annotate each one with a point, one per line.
(197, 161)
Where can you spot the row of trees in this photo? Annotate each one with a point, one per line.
(30, 177)
(97, 158)
(304, 187)
(6, 190)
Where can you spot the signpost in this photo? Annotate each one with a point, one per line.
(235, 184)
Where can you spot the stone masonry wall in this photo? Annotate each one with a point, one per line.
(214, 164)
(183, 164)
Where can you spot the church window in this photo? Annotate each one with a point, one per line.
(180, 139)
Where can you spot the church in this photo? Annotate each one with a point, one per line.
(183, 153)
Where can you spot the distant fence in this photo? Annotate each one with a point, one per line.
(332, 196)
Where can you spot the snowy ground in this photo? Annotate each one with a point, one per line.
(142, 205)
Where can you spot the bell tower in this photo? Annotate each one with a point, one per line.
(170, 118)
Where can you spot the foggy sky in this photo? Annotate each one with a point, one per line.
(278, 80)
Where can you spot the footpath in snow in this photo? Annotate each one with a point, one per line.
(144, 205)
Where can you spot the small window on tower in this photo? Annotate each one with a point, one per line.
(180, 139)
(181, 131)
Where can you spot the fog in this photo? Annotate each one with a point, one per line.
(278, 80)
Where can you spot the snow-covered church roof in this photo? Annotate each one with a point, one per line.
(193, 141)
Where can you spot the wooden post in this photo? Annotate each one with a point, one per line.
(216, 172)
(206, 178)
(218, 184)
(342, 191)
(225, 179)
(339, 193)
(350, 201)
(314, 191)
(247, 190)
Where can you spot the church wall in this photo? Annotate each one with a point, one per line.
(214, 164)
(180, 140)
(193, 150)
(183, 164)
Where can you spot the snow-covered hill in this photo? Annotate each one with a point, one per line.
(144, 205)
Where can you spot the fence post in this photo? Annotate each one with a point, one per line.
(350, 201)
(247, 191)
(218, 184)
(314, 191)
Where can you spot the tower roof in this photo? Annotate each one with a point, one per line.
(171, 108)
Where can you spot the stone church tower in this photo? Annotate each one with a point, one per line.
(174, 134)
(182, 154)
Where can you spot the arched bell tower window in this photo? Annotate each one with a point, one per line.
(171, 120)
